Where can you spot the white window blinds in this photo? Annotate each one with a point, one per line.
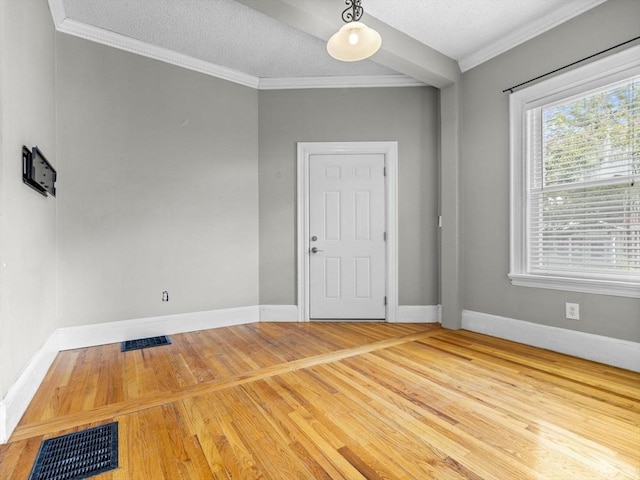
(583, 185)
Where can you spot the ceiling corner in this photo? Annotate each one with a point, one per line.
(571, 9)
(58, 13)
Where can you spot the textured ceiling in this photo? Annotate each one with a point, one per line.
(461, 28)
(231, 35)
(222, 32)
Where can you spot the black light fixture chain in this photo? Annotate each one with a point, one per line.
(353, 12)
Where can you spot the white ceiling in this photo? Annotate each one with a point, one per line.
(284, 44)
(473, 31)
(223, 32)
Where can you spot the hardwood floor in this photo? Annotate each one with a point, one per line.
(341, 401)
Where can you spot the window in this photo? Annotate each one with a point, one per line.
(575, 179)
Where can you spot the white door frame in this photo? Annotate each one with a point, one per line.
(390, 151)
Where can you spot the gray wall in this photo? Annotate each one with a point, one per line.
(27, 219)
(485, 177)
(158, 187)
(451, 260)
(160, 168)
(409, 116)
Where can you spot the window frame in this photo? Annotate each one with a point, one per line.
(597, 74)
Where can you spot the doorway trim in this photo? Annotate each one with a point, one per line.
(390, 151)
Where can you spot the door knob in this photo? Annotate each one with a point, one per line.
(315, 250)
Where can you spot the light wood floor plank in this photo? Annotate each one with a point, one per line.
(531, 401)
(154, 398)
(606, 377)
(591, 431)
(341, 401)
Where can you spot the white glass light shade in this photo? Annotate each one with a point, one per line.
(354, 41)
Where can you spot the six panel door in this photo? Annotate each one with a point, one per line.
(347, 236)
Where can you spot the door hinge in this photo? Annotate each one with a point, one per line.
(385, 299)
(384, 236)
(384, 171)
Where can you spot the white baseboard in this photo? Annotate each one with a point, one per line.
(418, 314)
(404, 313)
(14, 404)
(611, 351)
(278, 313)
(17, 399)
(114, 332)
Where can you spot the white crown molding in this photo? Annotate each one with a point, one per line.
(534, 28)
(89, 32)
(128, 44)
(371, 81)
(106, 37)
(607, 350)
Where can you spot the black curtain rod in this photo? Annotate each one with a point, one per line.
(511, 89)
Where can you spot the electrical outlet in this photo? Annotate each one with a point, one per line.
(165, 296)
(572, 311)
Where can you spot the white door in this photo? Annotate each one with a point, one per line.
(347, 236)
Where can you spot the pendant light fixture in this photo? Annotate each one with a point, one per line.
(354, 41)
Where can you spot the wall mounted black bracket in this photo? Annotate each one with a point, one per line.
(37, 172)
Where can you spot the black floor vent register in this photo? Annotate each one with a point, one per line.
(77, 455)
(145, 343)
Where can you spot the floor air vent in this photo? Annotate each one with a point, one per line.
(77, 455)
(145, 343)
